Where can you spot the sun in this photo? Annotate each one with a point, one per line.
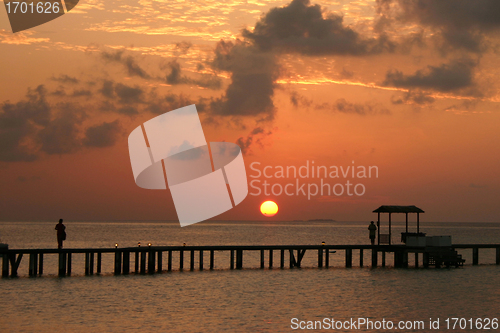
(269, 208)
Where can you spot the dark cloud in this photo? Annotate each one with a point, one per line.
(18, 121)
(66, 79)
(33, 126)
(130, 64)
(461, 24)
(183, 47)
(464, 106)
(175, 77)
(298, 100)
(128, 110)
(343, 106)
(104, 135)
(253, 76)
(448, 77)
(298, 27)
(60, 136)
(59, 92)
(161, 104)
(307, 29)
(413, 97)
(175, 73)
(82, 93)
(346, 74)
(127, 94)
(255, 137)
(107, 89)
(35, 107)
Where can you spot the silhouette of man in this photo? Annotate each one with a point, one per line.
(61, 233)
(372, 227)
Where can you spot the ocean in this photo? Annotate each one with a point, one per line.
(251, 299)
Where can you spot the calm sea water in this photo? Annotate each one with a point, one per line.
(250, 300)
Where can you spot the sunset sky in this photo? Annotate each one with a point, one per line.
(409, 86)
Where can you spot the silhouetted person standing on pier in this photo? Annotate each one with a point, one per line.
(61, 233)
(372, 227)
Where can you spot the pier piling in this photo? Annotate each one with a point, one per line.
(301, 255)
(151, 261)
(425, 260)
(160, 261)
(87, 263)
(320, 257)
(212, 253)
(181, 260)
(62, 263)
(348, 258)
(191, 263)
(33, 267)
(5, 265)
(292, 258)
(169, 261)
(99, 262)
(239, 259)
(40, 264)
(126, 262)
(398, 259)
(231, 266)
(118, 262)
(69, 263)
(374, 257)
(201, 260)
(91, 263)
(143, 262)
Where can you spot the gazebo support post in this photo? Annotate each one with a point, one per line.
(406, 222)
(390, 232)
(418, 222)
(378, 229)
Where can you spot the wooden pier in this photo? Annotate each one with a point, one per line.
(149, 260)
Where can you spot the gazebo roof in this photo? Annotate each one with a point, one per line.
(398, 209)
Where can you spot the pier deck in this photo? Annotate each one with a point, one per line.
(150, 259)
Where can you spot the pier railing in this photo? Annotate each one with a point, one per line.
(150, 259)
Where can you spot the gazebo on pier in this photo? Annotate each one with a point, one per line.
(386, 238)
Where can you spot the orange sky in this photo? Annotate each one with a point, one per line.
(412, 91)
